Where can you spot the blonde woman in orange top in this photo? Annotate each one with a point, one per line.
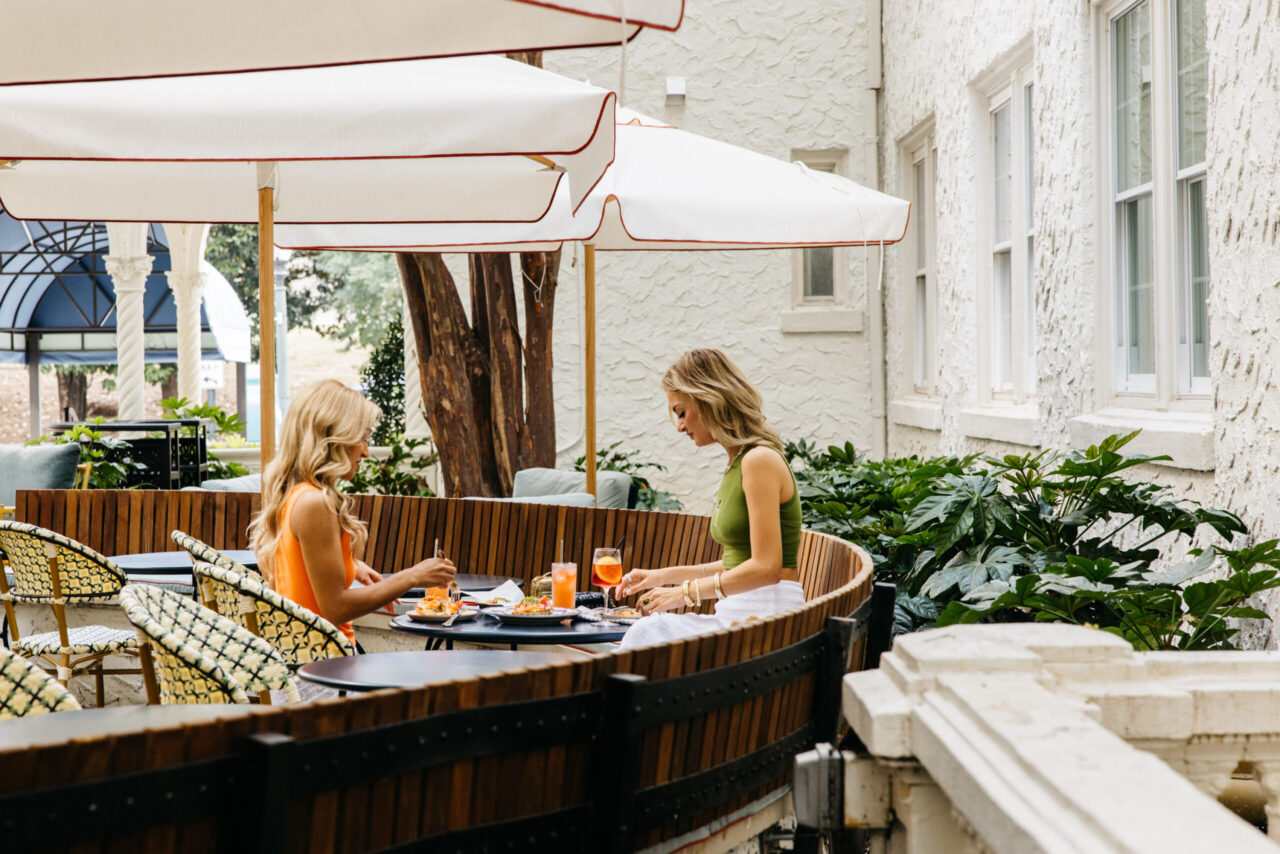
(306, 537)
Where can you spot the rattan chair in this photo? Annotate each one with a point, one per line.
(240, 594)
(26, 689)
(200, 656)
(299, 635)
(54, 570)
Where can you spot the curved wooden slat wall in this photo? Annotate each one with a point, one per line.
(481, 536)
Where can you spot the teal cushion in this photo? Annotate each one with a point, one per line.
(36, 467)
(572, 499)
(611, 486)
(245, 483)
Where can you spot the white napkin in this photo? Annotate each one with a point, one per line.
(509, 592)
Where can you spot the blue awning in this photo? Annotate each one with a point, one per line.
(54, 285)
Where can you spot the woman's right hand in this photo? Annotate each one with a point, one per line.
(639, 579)
(433, 572)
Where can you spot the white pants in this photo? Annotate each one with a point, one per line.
(761, 602)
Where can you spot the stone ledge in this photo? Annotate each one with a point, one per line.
(820, 319)
(1015, 423)
(919, 412)
(1187, 437)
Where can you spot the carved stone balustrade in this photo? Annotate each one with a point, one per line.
(1027, 738)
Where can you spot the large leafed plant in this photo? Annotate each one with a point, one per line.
(1066, 536)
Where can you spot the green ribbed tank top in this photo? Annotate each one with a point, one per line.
(731, 528)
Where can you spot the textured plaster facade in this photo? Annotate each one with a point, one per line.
(1226, 448)
(777, 79)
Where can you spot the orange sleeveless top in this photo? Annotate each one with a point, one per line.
(290, 571)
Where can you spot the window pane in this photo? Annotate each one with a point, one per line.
(1030, 153)
(1197, 294)
(1031, 311)
(819, 272)
(1138, 296)
(1002, 321)
(1002, 171)
(1133, 97)
(1193, 82)
(918, 214)
(922, 333)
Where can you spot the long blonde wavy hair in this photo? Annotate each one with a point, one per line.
(321, 426)
(726, 401)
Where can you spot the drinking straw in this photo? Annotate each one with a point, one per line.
(562, 549)
(436, 551)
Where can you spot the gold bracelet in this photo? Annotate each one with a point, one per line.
(697, 594)
(688, 600)
(719, 587)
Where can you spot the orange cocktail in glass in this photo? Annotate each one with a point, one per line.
(606, 570)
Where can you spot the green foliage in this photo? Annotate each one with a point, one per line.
(112, 463)
(223, 422)
(647, 497)
(403, 472)
(1065, 536)
(382, 378)
(361, 291)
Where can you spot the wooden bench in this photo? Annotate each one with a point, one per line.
(581, 749)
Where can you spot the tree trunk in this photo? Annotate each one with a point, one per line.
(487, 392)
(169, 388)
(73, 392)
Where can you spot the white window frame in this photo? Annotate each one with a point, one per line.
(920, 148)
(1007, 84)
(1170, 386)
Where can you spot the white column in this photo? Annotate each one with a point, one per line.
(129, 265)
(186, 250)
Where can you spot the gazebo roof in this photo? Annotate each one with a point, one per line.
(53, 282)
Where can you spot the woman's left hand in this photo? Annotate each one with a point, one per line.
(366, 574)
(661, 599)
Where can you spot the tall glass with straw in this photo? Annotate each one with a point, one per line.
(564, 581)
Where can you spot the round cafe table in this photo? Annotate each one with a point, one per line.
(174, 563)
(486, 629)
(375, 670)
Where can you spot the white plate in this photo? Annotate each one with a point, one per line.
(557, 615)
(463, 615)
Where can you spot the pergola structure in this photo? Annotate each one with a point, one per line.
(67, 298)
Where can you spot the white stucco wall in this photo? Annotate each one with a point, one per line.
(774, 78)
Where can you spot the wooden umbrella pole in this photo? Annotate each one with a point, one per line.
(266, 323)
(589, 309)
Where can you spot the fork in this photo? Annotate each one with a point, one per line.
(454, 594)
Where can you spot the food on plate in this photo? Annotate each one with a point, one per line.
(534, 605)
(436, 603)
(624, 612)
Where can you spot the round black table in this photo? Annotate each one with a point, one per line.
(375, 670)
(174, 563)
(485, 629)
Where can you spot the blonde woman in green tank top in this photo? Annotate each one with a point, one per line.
(756, 516)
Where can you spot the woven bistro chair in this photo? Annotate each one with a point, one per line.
(54, 570)
(207, 553)
(298, 634)
(240, 594)
(26, 689)
(200, 656)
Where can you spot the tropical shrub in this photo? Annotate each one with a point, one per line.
(1056, 535)
(382, 379)
(403, 472)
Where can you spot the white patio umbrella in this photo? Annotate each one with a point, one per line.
(667, 189)
(67, 40)
(480, 139)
